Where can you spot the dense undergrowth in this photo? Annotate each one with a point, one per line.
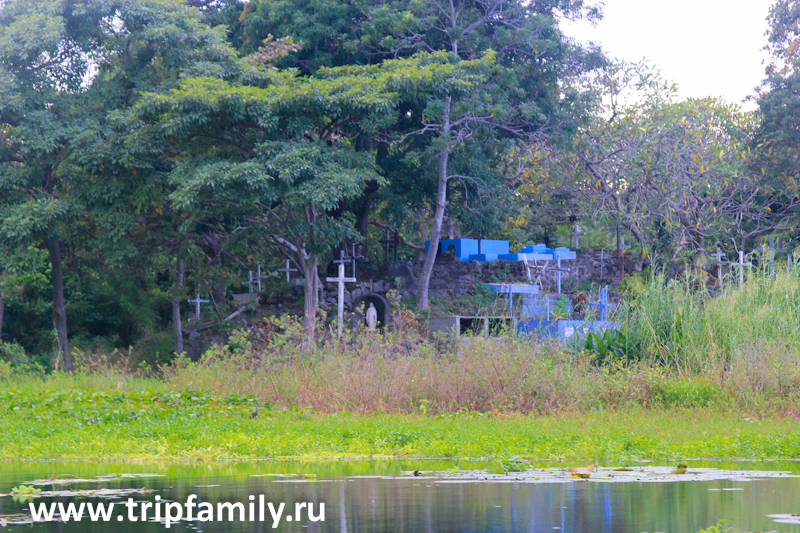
(680, 347)
(690, 376)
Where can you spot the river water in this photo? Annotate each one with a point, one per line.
(377, 497)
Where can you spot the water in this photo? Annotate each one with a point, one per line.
(356, 504)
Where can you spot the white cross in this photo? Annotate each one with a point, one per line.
(259, 277)
(250, 282)
(287, 270)
(741, 264)
(559, 270)
(341, 280)
(198, 301)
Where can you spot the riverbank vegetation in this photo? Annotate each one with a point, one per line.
(689, 376)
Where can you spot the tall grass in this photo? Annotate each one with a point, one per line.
(678, 322)
(688, 349)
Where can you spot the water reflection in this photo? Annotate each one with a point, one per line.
(412, 505)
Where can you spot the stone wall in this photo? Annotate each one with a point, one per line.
(452, 278)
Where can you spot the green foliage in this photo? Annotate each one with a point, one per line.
(688, 392)
(610, 346)
(632, 286)
(676, 174)
(25, 490)
(105, 407)
(515, 464)
(677, 321)
(14, 355)
(717, 528)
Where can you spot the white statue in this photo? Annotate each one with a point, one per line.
(372, 317)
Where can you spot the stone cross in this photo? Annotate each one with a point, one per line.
(741, 264)
(559, 270)
(576, 233)
(603, 304)
(718, 255)
(287, 270)
(198, 301)
(341, 280)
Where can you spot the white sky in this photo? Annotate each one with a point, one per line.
(707, 47)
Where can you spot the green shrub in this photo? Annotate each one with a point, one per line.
(14, 355)
(685, 391)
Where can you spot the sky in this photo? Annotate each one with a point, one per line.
(707, 47)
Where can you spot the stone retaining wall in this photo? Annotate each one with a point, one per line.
(453, 278)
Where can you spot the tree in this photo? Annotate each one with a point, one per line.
(274, 153)
(779, 105)
(521, 100)
(65, 68)
(44, 50)
(676, 174)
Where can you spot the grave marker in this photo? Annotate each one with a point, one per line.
(259, 277)
(621, 252)
(287, 270)
(250, 282)
(341, 280)
(559, 270)
(718, 255)
(741, 264)
(198, 301)
(602, 257)
(576, 233)
(353, 258)
(603, 304)
(388, 244)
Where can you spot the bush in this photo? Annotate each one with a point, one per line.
(14, 355)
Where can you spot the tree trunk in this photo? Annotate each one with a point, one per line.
(310, 294)
(59, 310)
(177, 329)
(436, 226)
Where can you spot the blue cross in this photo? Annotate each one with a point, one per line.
(603, 304)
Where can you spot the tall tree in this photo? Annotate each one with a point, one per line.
(677, 175)
(276, 154)
(522, 100)
(64, 68)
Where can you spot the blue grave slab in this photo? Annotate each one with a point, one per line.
(533, 248)
(564, 253)
(537, 328)
(484, 258)
(513, 288)
(539, 257)
(562, 329)
(495, 247)
(461, 248)
(569, 328)
(509, 257)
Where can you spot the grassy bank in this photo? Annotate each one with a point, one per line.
(692, 376)
(133, 422)
(219, 433)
